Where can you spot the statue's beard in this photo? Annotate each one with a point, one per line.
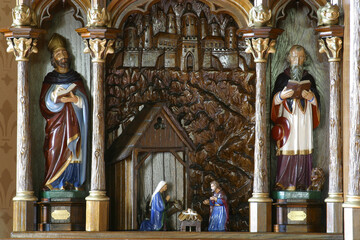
(296, 72)
(64, 62)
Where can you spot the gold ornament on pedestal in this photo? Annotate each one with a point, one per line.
(259, 16)
(23, 16)
(328, 15)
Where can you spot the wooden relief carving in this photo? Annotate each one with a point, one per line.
(182, 54)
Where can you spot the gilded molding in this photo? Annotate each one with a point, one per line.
(352, 202)
(97, 17)
(328, 15)
(22, 47)
(260, 198)
(260, 48)
(25, 196)
(335, 198)
(99, 48)
(23, 16)
(97, 196)
(331, 48)
(259, 16)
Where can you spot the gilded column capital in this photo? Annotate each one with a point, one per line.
(98, 17)
(99, 48)
(259, 16)
(23, 15)
(22, 47)
(260, 48)
(331, 48)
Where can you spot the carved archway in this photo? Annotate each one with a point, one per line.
(120, 9)
(43, 9)
(278, 8)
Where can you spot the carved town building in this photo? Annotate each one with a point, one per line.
(196, 47)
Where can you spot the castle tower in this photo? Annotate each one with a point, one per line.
(215, 28)
(131, 44)
(203, 25)
(189, 22)
(171, 21)
(188, 51)
(148, 34)
(230, 35)
(130, 40)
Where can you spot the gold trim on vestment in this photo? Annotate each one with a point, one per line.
(58, 174)
(72, 138)
(295, 152)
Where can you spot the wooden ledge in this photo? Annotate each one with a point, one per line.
(108, 33)
(330, 31)
(172, 235)
(25, 32)
(261, 32)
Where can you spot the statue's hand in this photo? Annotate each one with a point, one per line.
(71, 98)
(213, 198)
(308, 95)
(206, 202)
(286, 93)
(167, 198)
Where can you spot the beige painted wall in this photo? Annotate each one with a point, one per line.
(7, 124)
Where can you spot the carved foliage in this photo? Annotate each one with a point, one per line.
(217, 111)
(22, 47)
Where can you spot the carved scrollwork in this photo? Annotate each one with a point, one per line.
(331, 48)
(98, 48)
(260, 48)
(97, 17)
(328, 15)
(259, 16)
(23, 16)
(22, 47)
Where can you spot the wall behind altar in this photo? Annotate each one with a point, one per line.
(7, 124)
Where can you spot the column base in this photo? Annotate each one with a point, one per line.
(334, 213)
(351, 217)
(24, 212)
(97, 211)
(260, 212)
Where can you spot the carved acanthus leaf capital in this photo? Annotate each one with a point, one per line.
(22, 47)
(23, 16)
(328, 15)
(260, 48)
(98, 17)
(98, 48)
(331, 48)
(259, 16)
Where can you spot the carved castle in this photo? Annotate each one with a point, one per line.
(191, 50)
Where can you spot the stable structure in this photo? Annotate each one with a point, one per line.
(152, 148)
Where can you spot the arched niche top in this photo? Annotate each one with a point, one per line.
(237, 9)
(278, 8)
(43, 9)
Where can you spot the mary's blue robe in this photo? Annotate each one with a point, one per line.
(156, 221)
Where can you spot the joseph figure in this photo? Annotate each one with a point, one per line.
(302, 114)
(64, 105)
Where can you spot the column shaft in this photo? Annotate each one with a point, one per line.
(98, 134)
(335, 143)
(352, 204)
(261, 183)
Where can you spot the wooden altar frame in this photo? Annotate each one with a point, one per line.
(119, 10)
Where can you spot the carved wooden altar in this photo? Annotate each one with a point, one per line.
(212, 63)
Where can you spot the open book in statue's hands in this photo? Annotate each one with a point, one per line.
(62, 92)
(298, 87)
